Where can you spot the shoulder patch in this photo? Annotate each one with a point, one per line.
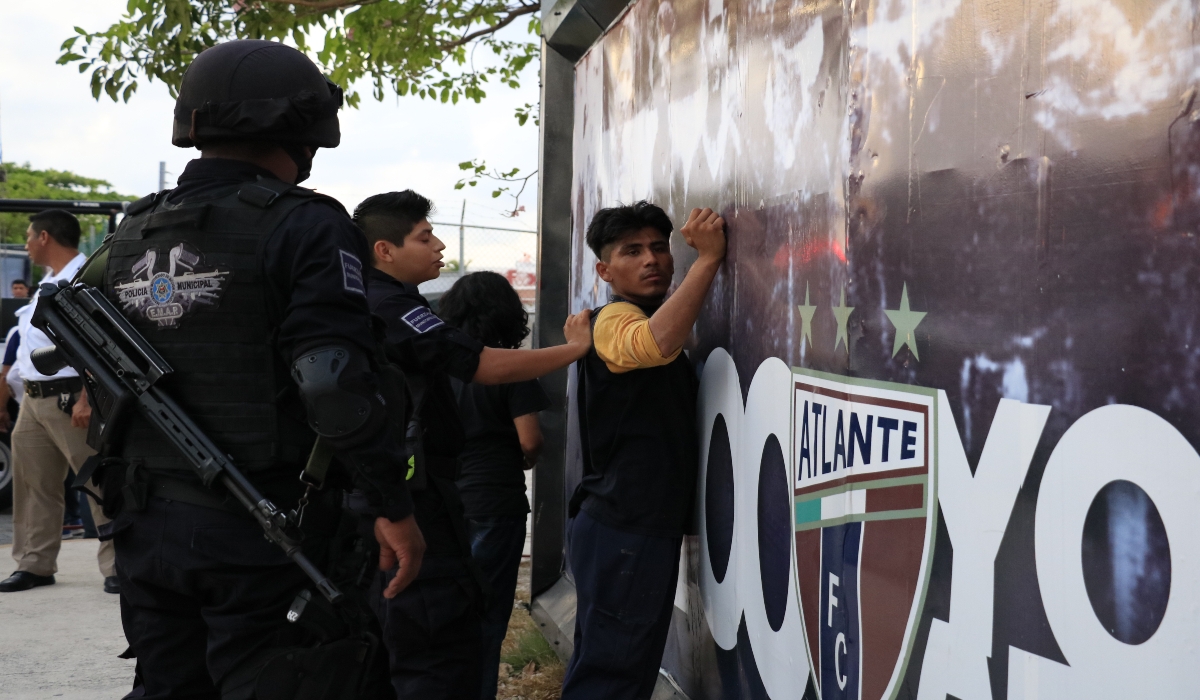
(421, 320)
(352, 275)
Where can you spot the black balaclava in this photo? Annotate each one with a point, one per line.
(302, 156)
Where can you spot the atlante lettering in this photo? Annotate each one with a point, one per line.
(837, 433)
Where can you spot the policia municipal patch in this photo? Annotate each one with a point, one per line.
(167, 296)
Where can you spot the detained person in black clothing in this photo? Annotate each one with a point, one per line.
(503, 439)
(432, 629)
(637, 430)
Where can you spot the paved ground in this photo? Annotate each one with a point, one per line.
(62, 641)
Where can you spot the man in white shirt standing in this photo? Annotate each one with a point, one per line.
(50, 436)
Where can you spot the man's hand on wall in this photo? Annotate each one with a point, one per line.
(705, 231)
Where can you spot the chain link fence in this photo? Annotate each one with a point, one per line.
(511, 252)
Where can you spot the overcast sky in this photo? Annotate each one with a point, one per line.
(49, 119)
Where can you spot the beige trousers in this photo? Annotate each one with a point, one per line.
(44, 446)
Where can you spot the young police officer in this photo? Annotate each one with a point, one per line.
(249, 286)
(637, 406)
(432, 629)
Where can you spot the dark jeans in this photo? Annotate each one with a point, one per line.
(204, 599)
(625, 589)
(431, 631)
(496, 545)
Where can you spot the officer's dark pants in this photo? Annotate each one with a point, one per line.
(431, 631)
(496, 546)
(204, 599)
(625, 589)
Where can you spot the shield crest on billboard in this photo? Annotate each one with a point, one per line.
(865, 496)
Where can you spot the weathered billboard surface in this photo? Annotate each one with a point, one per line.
(950, 403)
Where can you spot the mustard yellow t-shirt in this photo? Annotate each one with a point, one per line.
(622, 339)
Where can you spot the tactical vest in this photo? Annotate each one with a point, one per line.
(190, 277)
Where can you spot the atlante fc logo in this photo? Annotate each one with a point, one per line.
(864, 484)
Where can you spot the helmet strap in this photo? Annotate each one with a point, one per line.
(192, 132)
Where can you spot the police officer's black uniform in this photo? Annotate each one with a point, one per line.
(240, 281)
(432, 629)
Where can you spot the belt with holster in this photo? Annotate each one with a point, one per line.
(53, 387)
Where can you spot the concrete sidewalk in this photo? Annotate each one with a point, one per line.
(62, 641)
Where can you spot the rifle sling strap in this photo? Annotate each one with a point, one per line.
(317, 467)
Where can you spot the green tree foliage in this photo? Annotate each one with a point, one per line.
(23, 182)
(416, 47)
(510, 181)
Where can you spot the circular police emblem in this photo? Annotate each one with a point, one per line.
(162, 288)
(165, 297)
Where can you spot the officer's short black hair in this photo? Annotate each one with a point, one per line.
(610, 225)
(62, 226)
(485, 306)
(391, 216)
(20, 282)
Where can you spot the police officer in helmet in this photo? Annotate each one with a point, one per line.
(244, 283)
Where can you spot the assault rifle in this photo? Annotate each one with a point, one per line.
(119, 369)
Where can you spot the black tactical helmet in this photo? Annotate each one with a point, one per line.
(256, 90)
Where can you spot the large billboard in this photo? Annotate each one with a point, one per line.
(950, 405)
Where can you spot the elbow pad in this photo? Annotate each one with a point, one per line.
(338, 402)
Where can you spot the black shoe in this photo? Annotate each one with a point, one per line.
(112, 584)
(23, 581)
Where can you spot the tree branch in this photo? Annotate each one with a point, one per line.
(322, 5)
(512, 15)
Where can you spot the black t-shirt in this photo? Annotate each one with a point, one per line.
(492, 477)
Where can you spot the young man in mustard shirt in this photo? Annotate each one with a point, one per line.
(637, 425)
